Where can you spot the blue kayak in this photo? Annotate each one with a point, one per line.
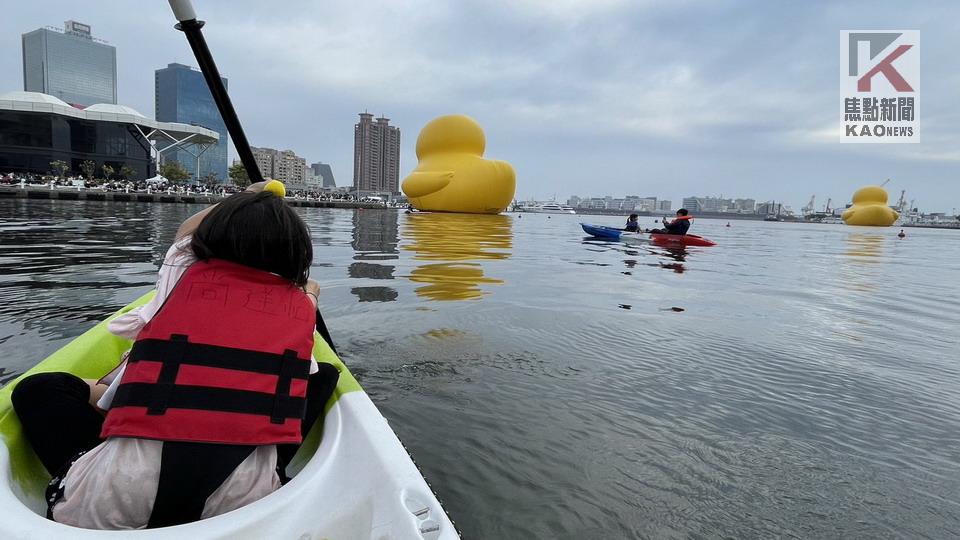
(601, 231)
(660, 239)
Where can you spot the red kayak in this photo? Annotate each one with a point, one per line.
(677, 240)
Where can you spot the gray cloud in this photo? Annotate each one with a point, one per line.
(585, 97)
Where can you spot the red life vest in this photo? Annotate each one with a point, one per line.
(225, 360)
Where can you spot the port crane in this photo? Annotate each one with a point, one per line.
(902, 202)
(809, 208)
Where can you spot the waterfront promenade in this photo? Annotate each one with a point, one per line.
(72, 194)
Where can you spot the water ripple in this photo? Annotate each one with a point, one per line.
(796, 381)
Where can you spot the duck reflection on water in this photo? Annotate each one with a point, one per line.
(455, 247)
(863, 256)
(865, 247)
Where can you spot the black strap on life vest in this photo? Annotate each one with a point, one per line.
(189, 473)
(178, 350)
(206, 398)
(281, 396)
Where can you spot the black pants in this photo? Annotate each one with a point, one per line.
(57, 418)
(60, 423)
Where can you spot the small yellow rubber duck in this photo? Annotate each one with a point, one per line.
(276, 187)
(452, 175)
(870, 208)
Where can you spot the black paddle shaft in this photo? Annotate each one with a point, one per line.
(324, 333)
(192, 29)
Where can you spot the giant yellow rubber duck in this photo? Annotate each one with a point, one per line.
(452, 175)
(870, 208)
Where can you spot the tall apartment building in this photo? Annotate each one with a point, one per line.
(181, 95)
(283, 165)
(663, 205)
(376, 155)
(70, 64)
(290, 168)
(264, 158)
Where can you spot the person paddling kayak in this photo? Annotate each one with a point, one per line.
(633, 223)
(679, 226)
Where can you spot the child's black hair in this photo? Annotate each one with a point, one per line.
(258, 230)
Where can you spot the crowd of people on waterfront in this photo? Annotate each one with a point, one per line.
(162, 186)
(321, 196)
(129, 186)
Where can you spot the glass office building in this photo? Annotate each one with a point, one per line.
(181, 95)
(70, 65)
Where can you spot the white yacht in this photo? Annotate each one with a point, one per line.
(547, 208)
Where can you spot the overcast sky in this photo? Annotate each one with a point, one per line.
(589, 97)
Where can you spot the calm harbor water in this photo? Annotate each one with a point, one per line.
(795, 381)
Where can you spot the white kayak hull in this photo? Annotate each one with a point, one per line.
(361, 483)
(355, 480)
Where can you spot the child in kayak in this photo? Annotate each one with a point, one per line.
(633, 223)
(214, 389)
(678, 226)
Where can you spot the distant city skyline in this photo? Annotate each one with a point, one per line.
(795, 205)
(709, 203)
(659, 98)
